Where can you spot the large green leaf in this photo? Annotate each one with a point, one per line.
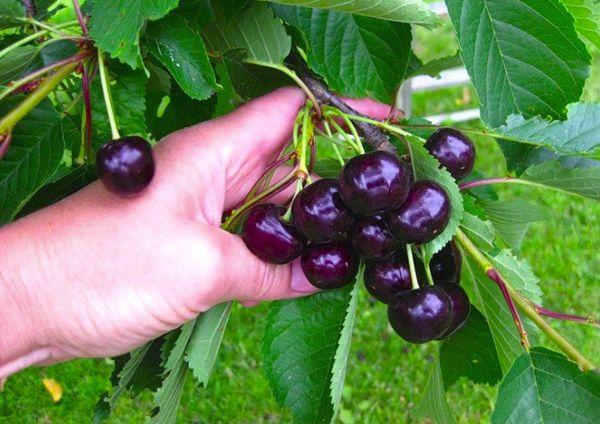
(523, 56)
(15, 62)
(511, 219)
(471, 353)
(300, 345)
(410, 11)
(577, 135)
(519, 273)
(494, 308)
(581, 181)
(356, 55)
(545, 387)
(35, 153)
(181, 49)
(587, 22)
(427, 167)
(205, 341)
(479, 231)
(115, 25)
(9, 10)
(435, 66)
(433, 404)
(255, 30)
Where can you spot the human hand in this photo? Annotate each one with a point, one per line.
(97, 275)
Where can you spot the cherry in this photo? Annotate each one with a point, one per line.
(126, 165)
(446, 264)
(454, 150)
(423, 215)
(461, 308)
(386, 279)
(329, 266)
(269, 237)
(320, 213)
(372, 239)
(374, 183)
(421, 315)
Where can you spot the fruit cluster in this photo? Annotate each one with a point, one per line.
(373, 210)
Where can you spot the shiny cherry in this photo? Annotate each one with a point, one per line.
(125, 166)
(374, 183)
(423, 215)
(320, 213)
(372, 239)
(461, 308)
(329, 266)
(385, 279)
(269, 237)
(454, 150)
(445, 265)
(421, 315)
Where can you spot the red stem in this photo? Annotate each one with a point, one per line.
(4, 144)
(85, 84)
(566, 317)
(495, 277)
(483, 182)
(313, 155)
(80, 18)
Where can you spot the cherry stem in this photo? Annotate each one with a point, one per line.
(427, 269)
(411, 266)
(333, 143)
(107, 97)
(42, 71)
(85, 84)
(525, 305)
(80, 18)
(47, 29)
(8, 122)
(565, 317)
(4, 144)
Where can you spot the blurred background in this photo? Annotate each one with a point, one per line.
(386, 376)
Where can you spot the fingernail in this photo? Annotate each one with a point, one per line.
(299, 283)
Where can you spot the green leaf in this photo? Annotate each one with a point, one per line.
(511, 219)
(205, 341)
(581, 181)
(519, 273)
(356, 55)
(498, 40)
(255, 30)
(167, 397)
(435, 66)
(471, 353)
(115, 25)
(427, 167)
(494, 308)
(300, 345)
(545, 387)
(410, 11)
(9, 10)
(16, 62)
(433, 404)
(587, 22)
(479, 231)
(227, 98)
(181, 49)
(34, 155)
(577, 135)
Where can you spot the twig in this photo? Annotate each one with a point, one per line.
(30, 9)
(80, 17)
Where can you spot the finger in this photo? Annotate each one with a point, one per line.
(374, 109)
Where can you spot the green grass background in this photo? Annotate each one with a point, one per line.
(386, 376)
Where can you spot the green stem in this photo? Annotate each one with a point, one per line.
(352, 128)
(511, 180)
(333, 145)
(290, 73)
(10, 120)
(427, 269)
(411, 266)
(341, 131)
(307, 133)
(50, 28)
(31, 37)
(525, 306)
(107, 96)
(383, 125)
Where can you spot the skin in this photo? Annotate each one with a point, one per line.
(96, 275)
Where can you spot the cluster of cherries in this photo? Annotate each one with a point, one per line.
(372, 211)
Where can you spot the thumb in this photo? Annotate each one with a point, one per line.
(249, 279)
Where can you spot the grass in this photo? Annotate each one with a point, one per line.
(385, 376)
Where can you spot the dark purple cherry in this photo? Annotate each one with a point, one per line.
(445, 265)
(269, 237)
(454, 150)
(372, 239)
(320, 213)
(126, 165)
(387, 278)
(423, 215)
(329, 266)
(421, 315)
(374, 183)
(461, 308)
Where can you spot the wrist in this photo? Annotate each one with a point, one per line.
(21, 343)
